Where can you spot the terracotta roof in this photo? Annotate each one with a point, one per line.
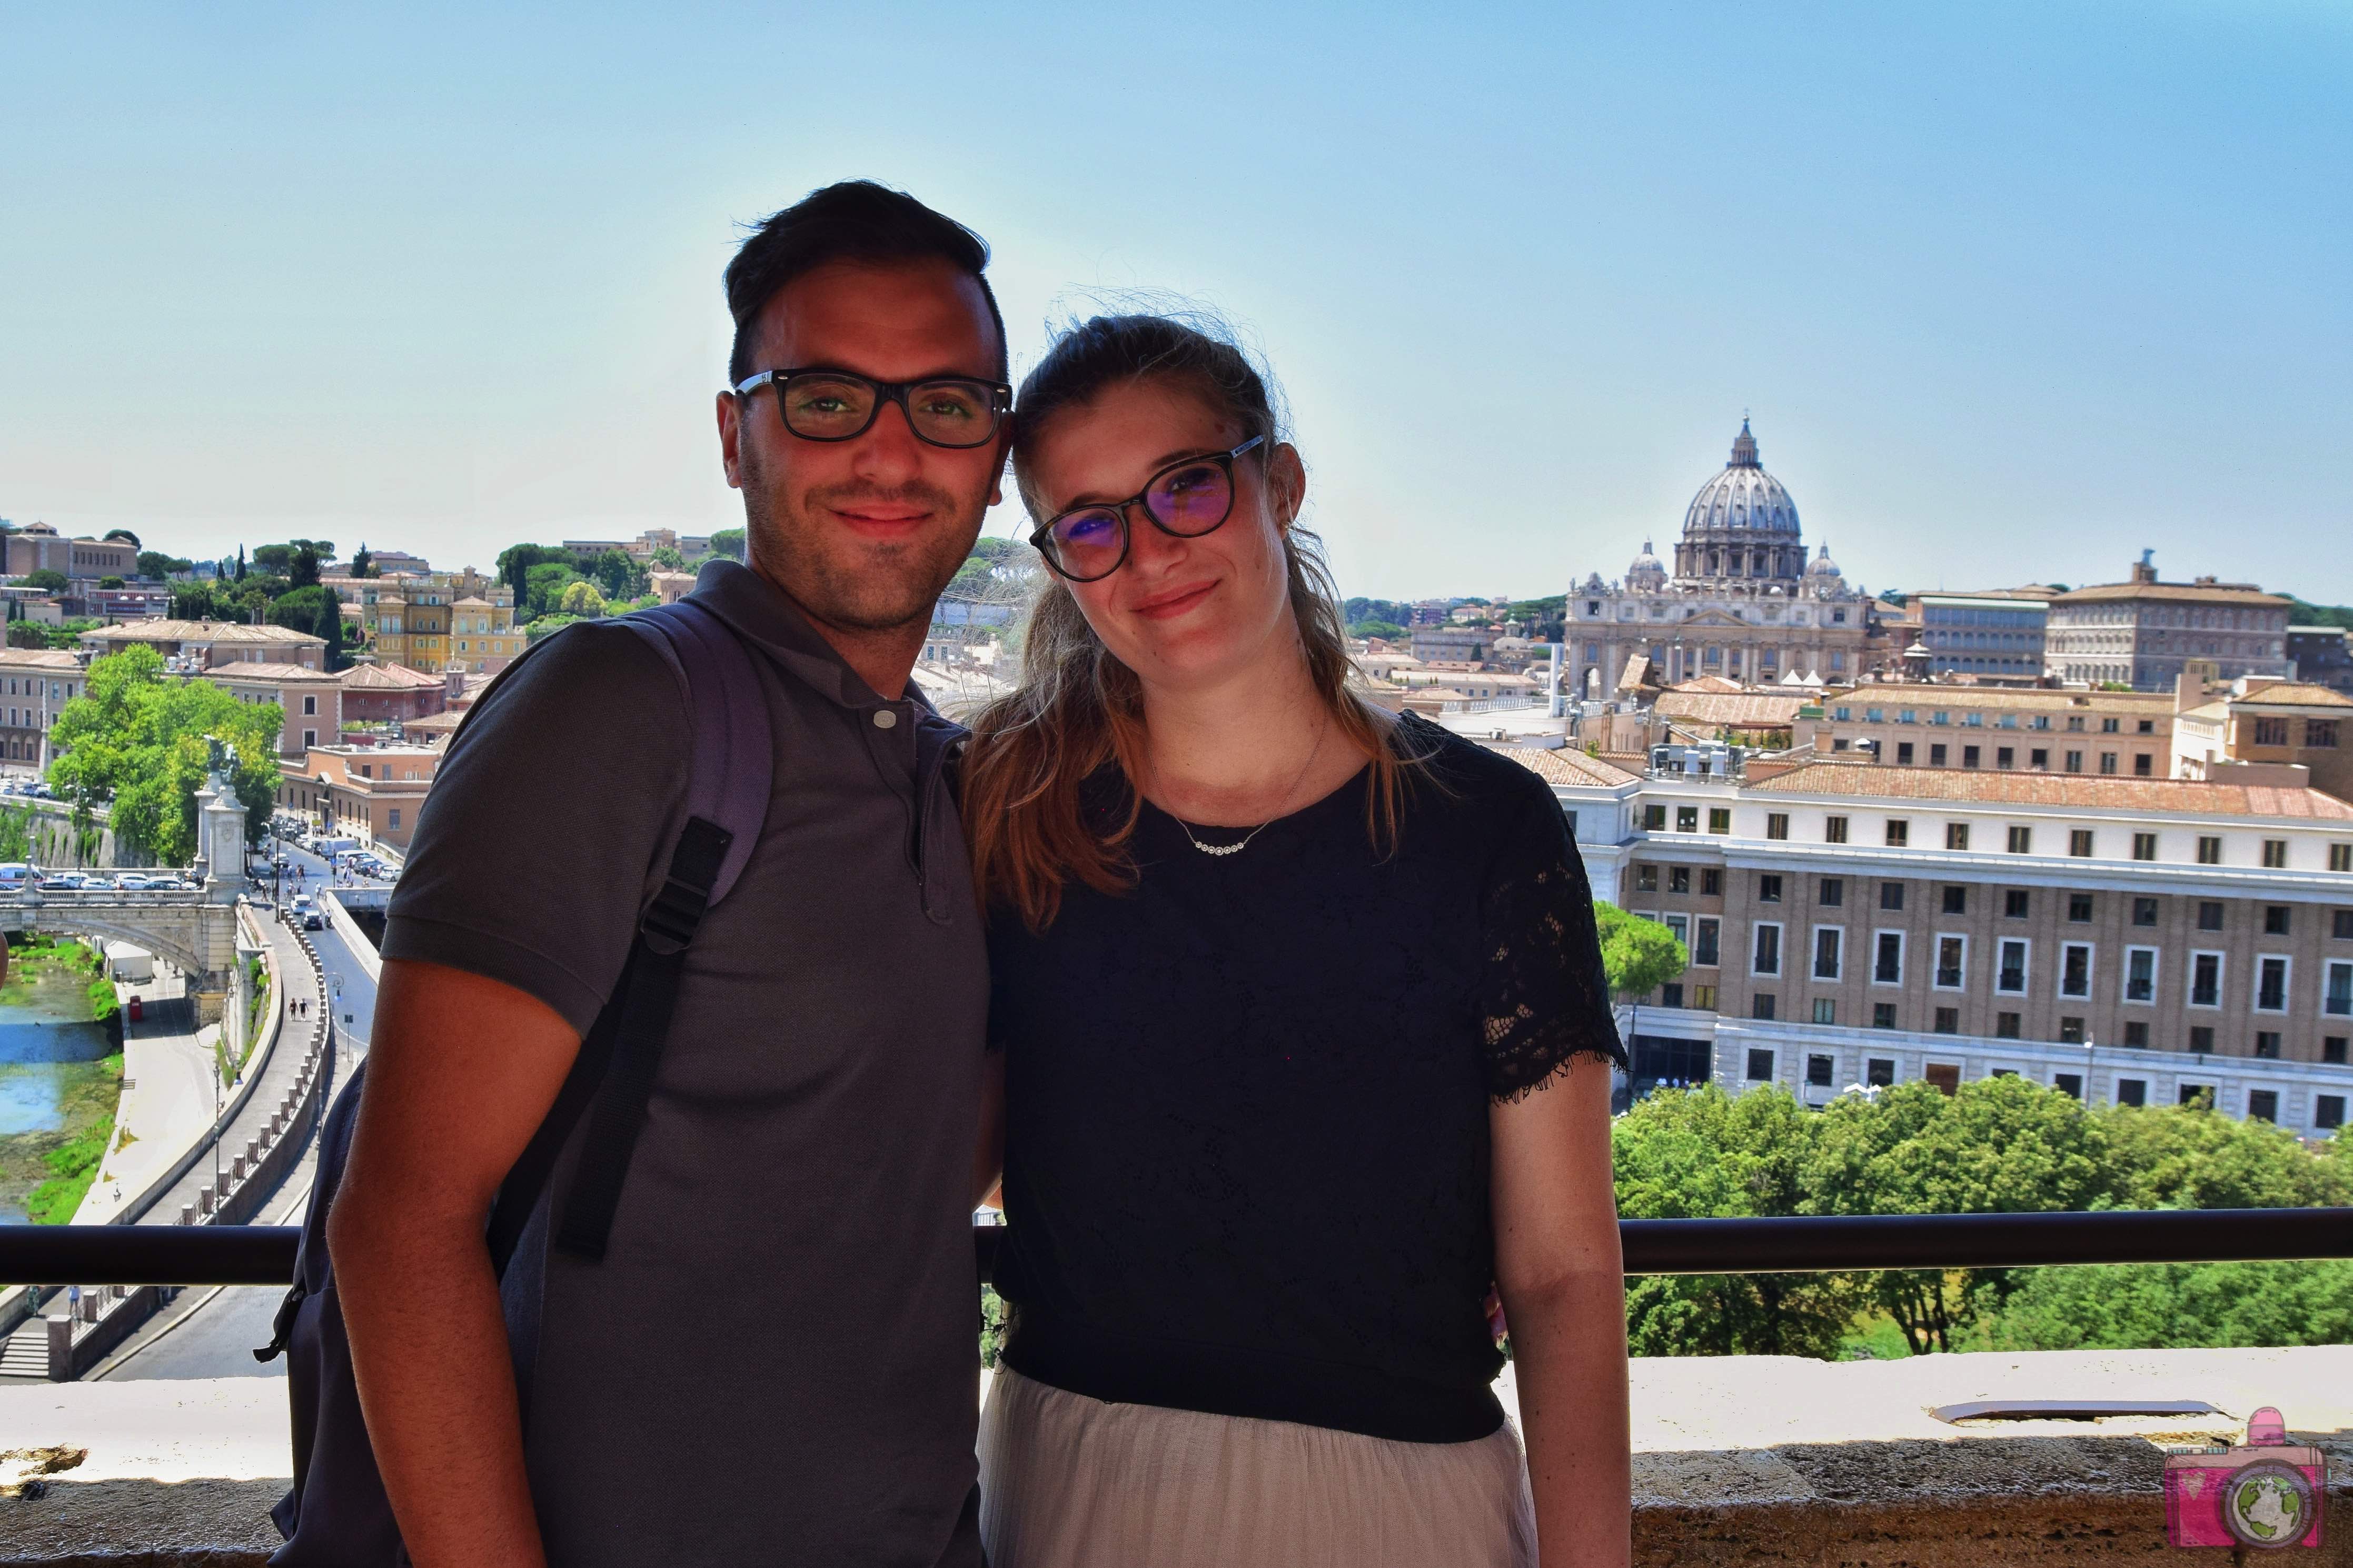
(2244, 595)
(2188, 796)
(1566, 766)
(39, 659)
(265, 674)
(1708, 683)
(2293, 694)
(166, 630)
(2032, 699)
(387, 677)
(1753, 708)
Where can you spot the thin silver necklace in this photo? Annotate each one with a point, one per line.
(1221, 849)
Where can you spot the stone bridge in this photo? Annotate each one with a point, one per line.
(195, 929)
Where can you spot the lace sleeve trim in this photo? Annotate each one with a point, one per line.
(1545, 997)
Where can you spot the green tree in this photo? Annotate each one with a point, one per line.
(1702, 1154)
(581, 598)
(303, 568)
(668, 558)
(1389, 630)
(48, 580)
(728, 541)
(543, 585)
(547, 626)
(110, 580)
(516, 561)
(1638, 955)
(274, 558)
(2000, 1145)
(156, 565)
(2173, 1157)
(328, 627)
(363, 562)
(2177, 1305)
(616, 575)
(202, 601)
(136, 738)
(240, 562)
(298, 609)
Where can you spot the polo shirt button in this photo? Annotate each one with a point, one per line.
(885, 719)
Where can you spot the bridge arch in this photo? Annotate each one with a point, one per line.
(181, 948)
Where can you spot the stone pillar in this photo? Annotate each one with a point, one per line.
(237, 1011)
(220, 833)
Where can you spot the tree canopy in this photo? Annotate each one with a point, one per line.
(363, 562)
(1639, 955)
(48, 580)
(1997, 1145)
(728, 541)
(136, 739)
(156, 565)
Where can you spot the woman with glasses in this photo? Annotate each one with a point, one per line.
(1305, 1036)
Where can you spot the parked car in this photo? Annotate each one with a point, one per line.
(62, 881)
(134, 881)
(13, 875)
(97, 884)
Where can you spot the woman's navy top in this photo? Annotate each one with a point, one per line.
(1247, 1100)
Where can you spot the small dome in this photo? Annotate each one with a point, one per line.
(1647, 571)
(1822, 565)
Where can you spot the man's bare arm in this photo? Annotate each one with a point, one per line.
(461, 1071)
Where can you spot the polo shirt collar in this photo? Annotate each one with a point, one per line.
(762, 614)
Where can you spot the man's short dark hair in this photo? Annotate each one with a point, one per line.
(856, 220)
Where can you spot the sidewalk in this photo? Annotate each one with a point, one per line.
(168, 1099)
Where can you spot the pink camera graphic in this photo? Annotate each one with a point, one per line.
(2264, 1493)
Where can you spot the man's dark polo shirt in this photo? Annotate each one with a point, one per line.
(775, 1361)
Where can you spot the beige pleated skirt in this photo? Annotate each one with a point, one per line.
(1071, 1482)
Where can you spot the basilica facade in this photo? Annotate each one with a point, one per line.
(1743, 602)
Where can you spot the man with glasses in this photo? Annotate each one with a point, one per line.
(772, 1361)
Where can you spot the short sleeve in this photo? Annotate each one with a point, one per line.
(1544, 996)
(535, 852)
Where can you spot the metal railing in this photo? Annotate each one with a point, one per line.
(264, 1254)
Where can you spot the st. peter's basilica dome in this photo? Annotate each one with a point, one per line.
(1742, 496)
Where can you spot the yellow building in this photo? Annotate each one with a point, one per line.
(485, 637)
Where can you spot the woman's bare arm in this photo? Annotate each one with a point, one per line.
(1562, 1278)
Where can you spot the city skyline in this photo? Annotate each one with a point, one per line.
(2009, 296)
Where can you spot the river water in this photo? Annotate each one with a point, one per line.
(55, 1081)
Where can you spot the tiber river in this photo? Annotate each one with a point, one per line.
(54, 1083)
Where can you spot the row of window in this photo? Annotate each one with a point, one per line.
(1879, 1072)
(1972, 719)
(2005, 758)
(2082, 842)
(2077, 959)
(2320, 733)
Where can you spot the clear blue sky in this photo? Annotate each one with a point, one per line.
(2012, 290)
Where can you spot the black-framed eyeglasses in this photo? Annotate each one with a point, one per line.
(1189, 498)
(821, 404)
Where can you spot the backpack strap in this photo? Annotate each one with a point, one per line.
(730, 771)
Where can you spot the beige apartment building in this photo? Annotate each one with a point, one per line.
(1998, 729)
(204, 644)
(371, 793)
(2265, 725)
(309, 699)
(38, 683)
(2127, 940)
(38, 547)
(2144, 633)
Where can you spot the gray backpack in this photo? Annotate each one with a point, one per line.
(337, 1513)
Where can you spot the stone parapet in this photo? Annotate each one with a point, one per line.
(1752, 1460)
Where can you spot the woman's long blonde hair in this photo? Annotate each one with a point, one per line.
(1078, 707)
